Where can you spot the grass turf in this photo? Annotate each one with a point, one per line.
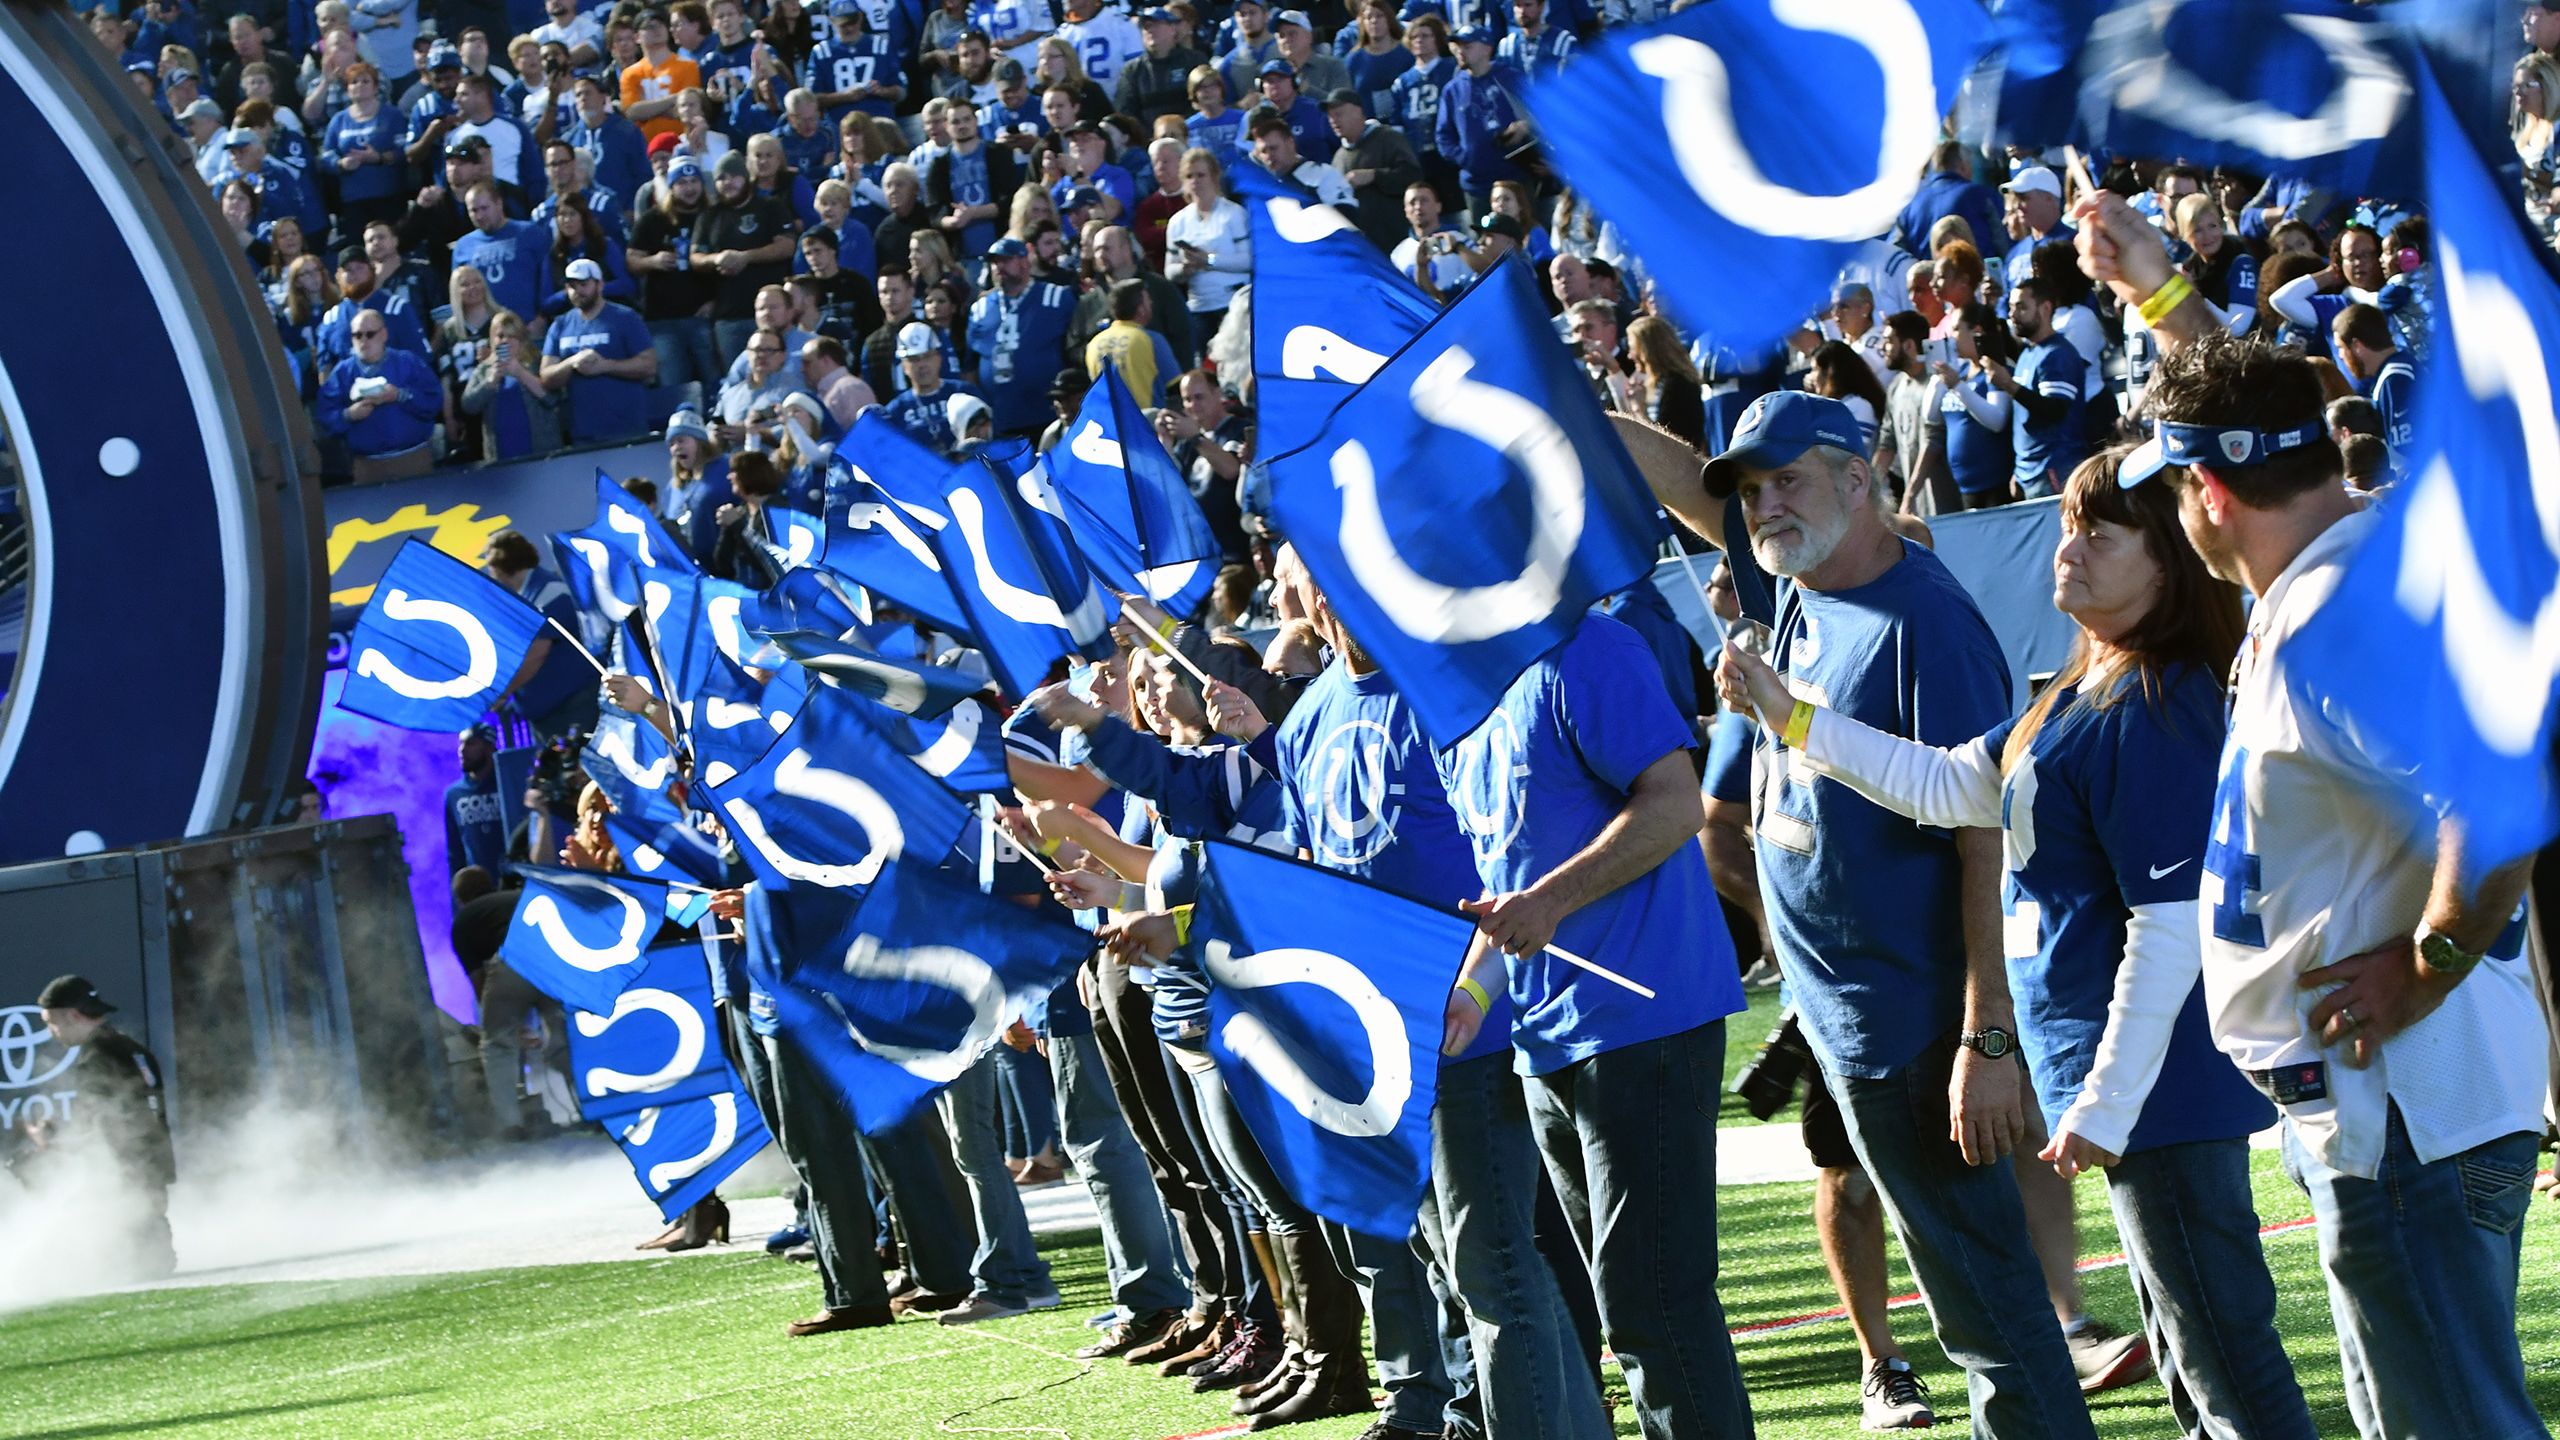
(693, 1347)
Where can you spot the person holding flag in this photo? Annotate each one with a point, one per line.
(555, 688)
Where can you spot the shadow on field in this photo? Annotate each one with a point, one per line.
(181, 1347)
(204, 1417)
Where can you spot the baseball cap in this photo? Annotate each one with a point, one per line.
(201, 105)
(72, 992)
(1159, 15)
(1082, 196)
(1507, 226)
(916, 339)
(838, 9)
(2233, 447)
(688, 422)
(352, 255)
(444, 57)
(1009, 73)
(238, 138)
(661, 144)
(1472, 35)
(1345, 97)
(1292, 17)
(2034, 180)
(684, 168)
(1278, 67)
(1071, 382)
(583, 268)
(1778, 427)
(466, 144)
(1009, 247)
(176, 76)
(479, 730)
(965, 410)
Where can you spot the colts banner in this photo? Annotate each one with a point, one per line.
(579, 936)
(438, 643)
(1326, 1002)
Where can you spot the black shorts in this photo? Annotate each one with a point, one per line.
(1826, 1134)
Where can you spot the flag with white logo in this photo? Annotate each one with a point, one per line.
(964, 749)
(658, 1043)
(1466, 505)
(884, 504)
(1029, 599)
(1746, 148)
(1332, 309)
(605, 561)
(828, 804)
(1131, 516)
(581, 936)
(437, 644)
(1327, 997)
(2442, 644)
(655, 835)
(924, 691)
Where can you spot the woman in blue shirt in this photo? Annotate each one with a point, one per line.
(363, 147)
(1378, 59)
(578, 235)
(2104, 791)
(1975, 411)
(1416, 97)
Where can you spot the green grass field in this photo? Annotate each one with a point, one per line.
(694, 1347)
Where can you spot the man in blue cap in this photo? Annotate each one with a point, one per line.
(1482, 123)
(1889, 932)
(1018, 329)
(1158, 82)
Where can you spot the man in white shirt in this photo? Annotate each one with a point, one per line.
(1431, 237)
(1104, 40)
(2357, 970)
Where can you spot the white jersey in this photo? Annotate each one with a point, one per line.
(1103, 44)
(2317, 854)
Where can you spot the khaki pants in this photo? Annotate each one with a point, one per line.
(377, 469)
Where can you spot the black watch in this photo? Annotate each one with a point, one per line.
(1991, 1044)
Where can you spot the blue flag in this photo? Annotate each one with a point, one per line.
(964, 749)
(1326, 1002)
(728, 719)
(808, 598)
(1484, 416)
(694, 621)
(828, 804)
(634, 766)
(437, 643)
(605, 561)
(1029, 600)
(798, 538)
(913, 983)
(1333, 309)
(1131, 515)
(1746, 148)
(2442, 644)
(925, 691)
(884, 503)
(659, 1042)
(2315, 88)
(579, 936)
(681, 1151)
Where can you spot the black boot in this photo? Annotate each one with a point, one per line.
(1336, 1366)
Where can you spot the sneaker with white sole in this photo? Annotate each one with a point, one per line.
(2107, 1358)
(1044, 1298)
(981, 1307)
(1895, 1398)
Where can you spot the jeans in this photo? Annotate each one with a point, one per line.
(1124, 1037)
(1248, 1295)
(928, 1201)
(2422, 1263)
(685, 358)
(1965, 1233)
(2191, 1234)
(1404, 1324)
(818, 1135)
(1137, 1239)
(1629, 1137)
(1008, 1266)
(1233, 1143)
(1030, 1102)
(1478, 1219)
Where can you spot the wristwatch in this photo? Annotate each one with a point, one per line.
(2443, 956)
(1990, 1044)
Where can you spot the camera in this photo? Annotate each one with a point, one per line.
(1771, 1080)
(557, 777)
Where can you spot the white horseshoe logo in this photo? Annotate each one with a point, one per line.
(623, 522)
(1311, 350)
(543, 914)
(847, 796)
(1166, 581)
(604, 1080)
(614, 744)
(1390, 1053)
(1300, 223)
(2500, 666)
(724, 1133)
(1029, 607)
(1697, 114)
(958, 739)
(871, 515)
(953, 969)
(599, 563)
(1493, 769)
(1527, 437)
(1095, 448)
(1352, 793)
(480, 666)
(2361, 108)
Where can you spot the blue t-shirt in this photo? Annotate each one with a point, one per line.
(1374, 76)
(970, 186)
(516, 260)
(1538, 781)
(1362, 795)
(1221, 135)
(1862, 903)
(2111, 808)
(383, 134)
(1978, 455)
(602, 407)
(928, 418)
(2047, 453)
(564, 671)
(1021, 344)
(1641, 608)
(475, 825)
(1731, 737)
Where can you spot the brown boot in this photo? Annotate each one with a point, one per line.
(864, 1317)
(1337, 1366)
(1131, 1334)
(1194, 1328)
(1220, 1336)
(1271, 1389)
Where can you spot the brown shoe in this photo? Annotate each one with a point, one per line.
(1128, 1335)
(923, 1302)
(1220, 1336)
(861, 1317)
(1040, 1172)
(1174, 1341)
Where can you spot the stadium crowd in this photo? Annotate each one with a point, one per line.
(486, 234)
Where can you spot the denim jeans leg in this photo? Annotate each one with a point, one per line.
(728, 340)
(829, 1159)
(1629, 1137)
(919, 1184)
(1136, 1235)
(1965, 1234)
(1404, 1324)
(2190, 1233)
(1479, 1218)
(1008, 1266)
(1248, 1291)
(2422, 1262)
(1243, 1157)
(1463, 1417)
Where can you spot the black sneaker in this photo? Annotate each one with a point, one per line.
(1896, 1398)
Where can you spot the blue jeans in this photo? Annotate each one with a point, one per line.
(2422, 1263)
(1008, 1266)
(1478, 1219)
(1629, 1137)
(1404, 1324)
(1030, 1102)
(1137, 1239)
(1247, 1294)
(925, 1196)
(685, 359)
(2191, 1233)
(819, 1136)
(1966, 1236)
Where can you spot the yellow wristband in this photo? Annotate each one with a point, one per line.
(1164, 631)
(1182, 925)
(1050, 847)
(1799, 722)
(2165, 299)
(1476, 993)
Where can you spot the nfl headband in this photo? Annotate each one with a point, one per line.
(2229, 447)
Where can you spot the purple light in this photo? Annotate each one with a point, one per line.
(364, 767)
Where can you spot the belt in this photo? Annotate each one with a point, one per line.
(2289, 1084)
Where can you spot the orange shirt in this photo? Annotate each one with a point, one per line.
(642, 82)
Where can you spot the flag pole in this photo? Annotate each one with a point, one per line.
(1603, 971)
(1688, 566)
(1175, 654)
(576, 644)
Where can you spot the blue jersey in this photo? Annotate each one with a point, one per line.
(332, 343)
(927, 419)
(602, 407)
(835, 66)
(1641, 608)
(727, 68)
(807, 155)
(2048, 452)
(516, 260)
(1414, 102)
(1021, 344)
(1863, 904)
(1313, 132)
(475, 825)
(1362, 795)
(1979, 455)
(1731, 737)
(1009, 21)
(1535, 55)
(1375, 76)
(1221, 135)
(2111, 808)
(1538, 781)
(2394, 392)
(616, 152)
(1475, 110)
(383, 134)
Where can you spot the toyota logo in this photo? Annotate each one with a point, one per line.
(22, 1037)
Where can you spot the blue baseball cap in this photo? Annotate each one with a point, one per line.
(838, 9)
(1472, 35)
(1160, 15)
(2233, 447)
(1279, 67)
(444, 57)
(1778, 427)
(1008, 248)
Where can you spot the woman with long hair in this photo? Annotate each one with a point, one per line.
(769, 170)
(1841, 373)
(1378, 59)
(239, 204)
(505, 394)
(457, 344)
(1057, 68)
(309, 293)
(576, 235)
(1664, 383)
(284, 246)
(1976, 411)
(2104, 790)
(2534, 103)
